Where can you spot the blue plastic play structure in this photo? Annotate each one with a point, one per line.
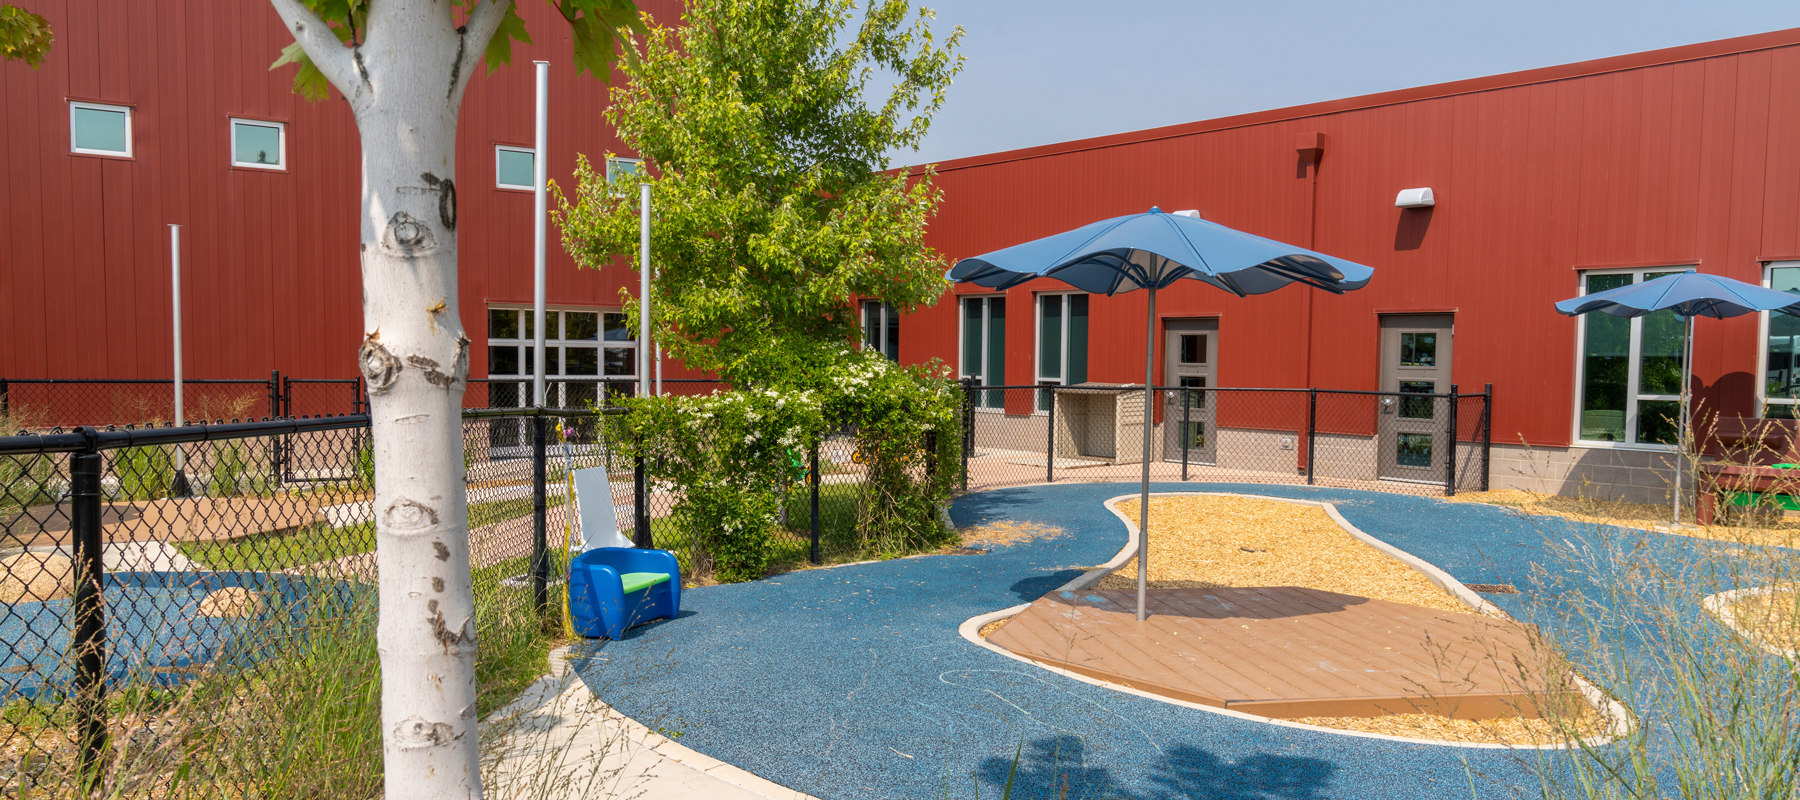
(612, 589)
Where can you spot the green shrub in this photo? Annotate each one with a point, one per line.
(145, 473)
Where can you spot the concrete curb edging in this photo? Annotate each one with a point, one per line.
(1617, 717)
(1719, 605)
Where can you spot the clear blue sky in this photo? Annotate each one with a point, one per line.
(1042, 71)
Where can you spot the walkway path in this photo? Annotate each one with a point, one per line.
(853, 682)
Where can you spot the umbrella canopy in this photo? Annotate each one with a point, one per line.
(1688, 294)
(1152, 251)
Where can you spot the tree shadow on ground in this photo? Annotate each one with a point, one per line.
(1031, 589)
(1056, 768)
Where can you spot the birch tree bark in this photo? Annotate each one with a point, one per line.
(405, 84)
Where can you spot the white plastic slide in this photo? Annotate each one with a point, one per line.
(594, 508)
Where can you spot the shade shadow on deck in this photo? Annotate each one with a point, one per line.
(1287, 652)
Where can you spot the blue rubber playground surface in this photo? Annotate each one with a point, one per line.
(852, 682)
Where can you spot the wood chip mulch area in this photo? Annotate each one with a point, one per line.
(1766, 531)
(1232, 541)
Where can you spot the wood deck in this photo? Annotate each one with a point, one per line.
(1289, 652)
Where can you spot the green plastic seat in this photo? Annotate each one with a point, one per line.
(639, 581)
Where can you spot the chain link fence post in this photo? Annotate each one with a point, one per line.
(1050, 440)
(1312, 430)
(968, 444)
(540, 549)
(1187, 419)
(640, 503)
(88, 637)
(813, 479)
(1450, 463)
(1487, 434)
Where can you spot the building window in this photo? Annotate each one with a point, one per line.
(99, 129)
(1630, 369)
(581, 346)
(1781, 349)
(984, 347)
(258, 144)
(881, 329)
(514, 167)
(618, 168)
(1062, 323)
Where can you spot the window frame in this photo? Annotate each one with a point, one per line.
(561, 344)
(987, 336)
(130, 143)
(1763, 401)
(887, 315)
(1037, 336)
(1634, 355)
(611, 160)
(513, 148)
(280, 142)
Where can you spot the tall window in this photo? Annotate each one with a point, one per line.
(881, 329)
(258, 144)
(99, 129)
(984, 346)
(620, 168)
(1062, 323)
(578, 344)
(1630, 369)
(1781, 350)
(515, 167)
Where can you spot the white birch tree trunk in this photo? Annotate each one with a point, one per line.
(405, 85)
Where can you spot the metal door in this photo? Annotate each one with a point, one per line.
(1190, 354)
(1413, 441)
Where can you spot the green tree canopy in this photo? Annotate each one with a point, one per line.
(24, 36)
(774, 207)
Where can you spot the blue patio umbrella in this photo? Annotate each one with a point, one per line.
(1688, 294)
(1152, 251)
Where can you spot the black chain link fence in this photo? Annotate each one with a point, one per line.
(1396, 442)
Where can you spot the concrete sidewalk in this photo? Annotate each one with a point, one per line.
(558, 740)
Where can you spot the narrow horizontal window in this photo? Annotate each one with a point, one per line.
(258, 144)
(99, 129)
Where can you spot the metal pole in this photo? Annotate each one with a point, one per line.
(640, 503)
(1487, 434)
(644, 344)
(5, 387)
(1312, 427)
(814, 480)
(1050, 440)
(540, 547)
(540, 170)
(659, 388)
(968, 442)
(1682, 434)
(88, 638)
(1450, 460)
(1143, 557)
(1187, 422)
(181, 488)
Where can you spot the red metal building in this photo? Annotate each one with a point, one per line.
(1626, 166)
(1597, 172)
(270, 269)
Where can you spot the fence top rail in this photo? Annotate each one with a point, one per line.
(1138, 387)
(138, 381)
(321, 380)
(89, 439)
(536, 411)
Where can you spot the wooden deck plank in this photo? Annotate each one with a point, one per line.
(1286, 652)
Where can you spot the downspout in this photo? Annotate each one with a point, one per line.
(1310, 147)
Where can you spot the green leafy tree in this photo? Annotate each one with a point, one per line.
(769, 165)
(24, 36)
(403, 66)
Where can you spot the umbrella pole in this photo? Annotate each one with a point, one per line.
(1683, 432)
(1144, 494)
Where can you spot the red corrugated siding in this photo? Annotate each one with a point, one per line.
(1647, 159)
(270, 269)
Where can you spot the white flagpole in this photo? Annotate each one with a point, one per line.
(175, 307)
(540, 158)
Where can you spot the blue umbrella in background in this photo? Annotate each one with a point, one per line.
(1152, 251)
(1689, 294)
